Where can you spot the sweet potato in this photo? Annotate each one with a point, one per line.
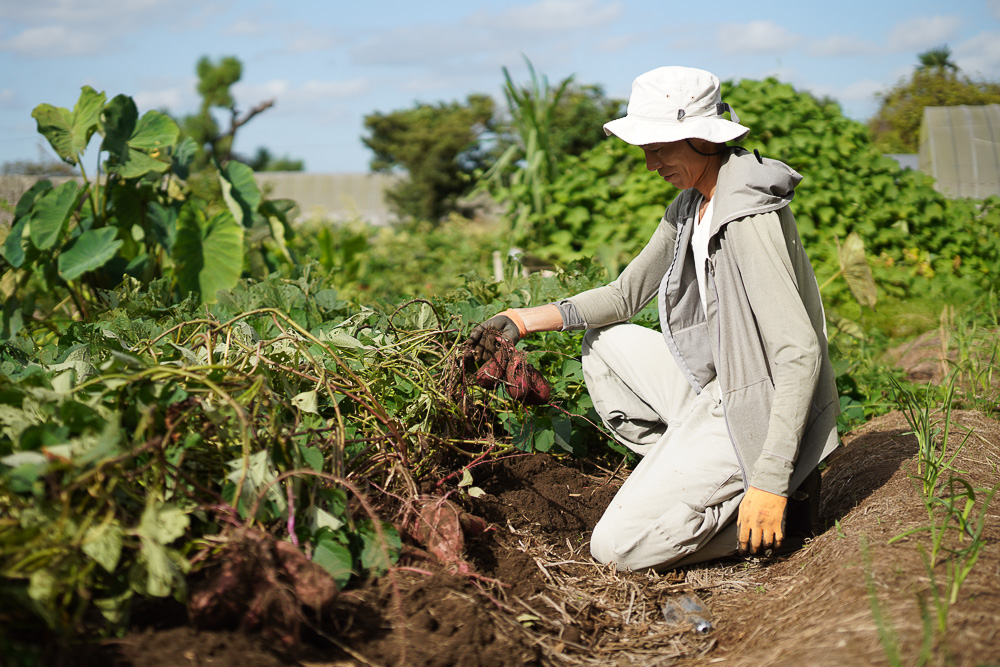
(490, 373)
(525, 383)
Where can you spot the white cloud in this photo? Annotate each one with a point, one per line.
(551, 15)
(979, 56)
(91, 12)
(994, 6)
(247, 27)
(837, 46)
(54, 41)
(423, 45)
(760, 37)
(303, 39)
(8, 99)
(481, 37)
(619, 43)
(923, 32)
(864, 90)
(61, 28)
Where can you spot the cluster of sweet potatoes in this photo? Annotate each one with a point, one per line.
(509, 367)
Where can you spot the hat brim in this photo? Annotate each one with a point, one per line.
(642, 131)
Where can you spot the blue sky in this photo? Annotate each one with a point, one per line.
(328, 64)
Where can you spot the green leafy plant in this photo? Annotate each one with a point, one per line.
(137, 219)
(956, 511)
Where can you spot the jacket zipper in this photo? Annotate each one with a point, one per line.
(732, 440)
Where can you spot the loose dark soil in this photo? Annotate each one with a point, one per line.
(527, 591)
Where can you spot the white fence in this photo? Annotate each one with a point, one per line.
(330, 197)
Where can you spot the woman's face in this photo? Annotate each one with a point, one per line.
(675, 162)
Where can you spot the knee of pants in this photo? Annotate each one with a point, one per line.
(606, 546)
(592, 349)
(601, 544)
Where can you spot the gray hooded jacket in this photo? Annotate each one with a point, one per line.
(762, 331)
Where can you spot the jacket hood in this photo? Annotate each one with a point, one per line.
(750, 185)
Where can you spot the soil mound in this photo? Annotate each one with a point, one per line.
(531, 594)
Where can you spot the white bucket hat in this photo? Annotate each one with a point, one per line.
(673, 104)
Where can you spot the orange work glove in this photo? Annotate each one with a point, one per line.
(761, 522)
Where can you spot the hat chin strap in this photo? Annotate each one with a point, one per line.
(723, 107)
(718, 152)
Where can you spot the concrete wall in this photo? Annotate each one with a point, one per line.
(331, 197)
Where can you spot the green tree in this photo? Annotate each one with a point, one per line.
(579, 118)
(936, 82)
(939, 58)
(215, 82)
(41, 167)
(438, 146)
(263, 160)
(547, 125)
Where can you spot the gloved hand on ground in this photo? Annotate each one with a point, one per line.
(761, 522)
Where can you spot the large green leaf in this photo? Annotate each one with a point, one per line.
(164, 224)
(13, 251)
(30, 196)
(104, 545)
(183, 157)
(137, 146)
(336, 559)
(51, 213)
(162, 522)
(91, 250)
(374, 550)
(240, 191)
(208, 253)
(154, 133)
(857, 273)
(70, 132)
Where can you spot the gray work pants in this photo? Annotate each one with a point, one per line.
(679, 505)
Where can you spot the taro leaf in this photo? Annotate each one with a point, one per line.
(183, 157)
(91, 250)
(240, 191)
(104, 545)
(13, 251)
(70, 132)
(306, 402)
(856, 271)
(208, 253)
(28, 199)
(136, 146)
(336, 559)
(51, 213)
(373, 552)
(164, 224)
